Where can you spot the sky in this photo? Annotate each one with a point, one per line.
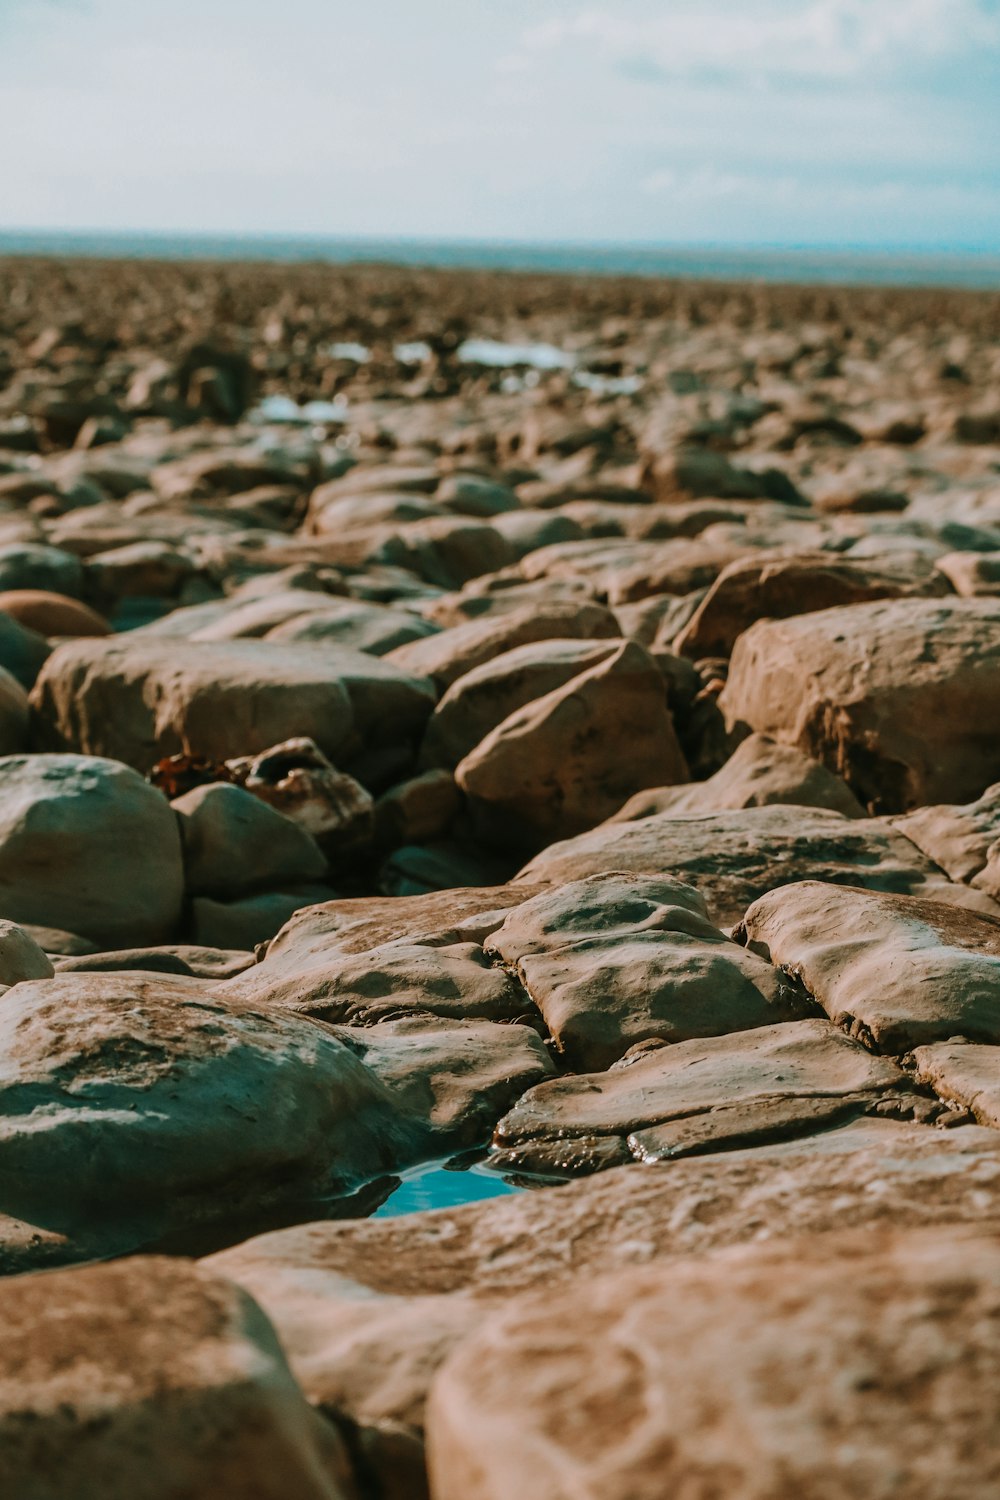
(833, 123)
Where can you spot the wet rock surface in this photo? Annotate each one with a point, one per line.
(566, 756)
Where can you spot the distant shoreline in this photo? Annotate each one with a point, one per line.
(862, 268)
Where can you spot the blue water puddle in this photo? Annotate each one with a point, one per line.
(434, 1185)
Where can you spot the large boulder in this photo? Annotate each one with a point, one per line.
(367, 1310)
(895, 971)
(839, 1367)
(901, 698)
(617, 959)
(139, 700)
(565, 761)
(151, 1378)
(734, 857)
(87, 846)
(134, 1107)
(693, 1098)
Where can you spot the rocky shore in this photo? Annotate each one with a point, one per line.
(547, 728)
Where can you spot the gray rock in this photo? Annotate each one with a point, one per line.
(87, 846)
(234, 843)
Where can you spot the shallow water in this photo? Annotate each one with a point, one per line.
(437, 1185)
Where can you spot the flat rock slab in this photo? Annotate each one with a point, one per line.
(139, 700)
(151, 1378)
(900, 697)
(732, 858)
(697, 1096)
(396, 980)
(895, 971)
(367, 1310)
(616, 959)
(317, 943)
(852, 1365)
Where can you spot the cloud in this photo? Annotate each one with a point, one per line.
(822, 40)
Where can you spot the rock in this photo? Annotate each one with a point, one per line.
(423, 808)
(23, 652)
(450, 654)
(139, 570)
(355, 926)
(151, 1378)
(964, 841)
(445, 864)
(143, 699)
(20, 956)
(759, 773)
(134, 1107)
(452, 1080)
(368, 1310)
(732, 858)
(32, 565)
(894, 696)
(481, 699)
(616, 960)
(668, 1382)
(87, 845)
(700, 472)
(14, 714)
(234, 842)
(249, 920)
(474, 495)
(696, 1097)
(966, 1073)
(396, 980)
(779, 585)
(894, 971)
(360, 627)
(171, 958)
(52, 614)
(971, 573)
(446, 551)
(565, 761)
(296, 779)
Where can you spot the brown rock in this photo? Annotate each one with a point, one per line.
(450, 654)
(154, 1380)
(778, 585)
(739, 1089)
(569, 759)
(840, 1367)
(894, 696)
(759, 773)
(52, 614)
(732, 858)
(895, 971)
(616, 960)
